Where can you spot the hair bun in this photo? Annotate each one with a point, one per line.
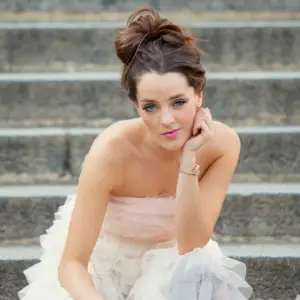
(142, 13)
(144, 25)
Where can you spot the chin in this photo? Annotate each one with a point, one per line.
(173, 145)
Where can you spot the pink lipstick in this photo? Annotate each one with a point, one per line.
(171, 134)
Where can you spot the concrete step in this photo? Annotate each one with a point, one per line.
(55, 154)
(85, 99)
(272, 270)
(194, 5)
(180, 16)
(275, 249)
(230, 45)
(250, 211)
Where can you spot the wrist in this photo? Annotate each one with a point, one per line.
(188, 159)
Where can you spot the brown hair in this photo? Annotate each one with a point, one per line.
(151, 43)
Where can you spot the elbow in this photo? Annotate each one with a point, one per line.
(64, 271)
(61, 273)
(207, 236)
(201, 242)
(67, 269)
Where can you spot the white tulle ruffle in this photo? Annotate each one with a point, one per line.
(204, 273)
(127, 270)
(43, 277)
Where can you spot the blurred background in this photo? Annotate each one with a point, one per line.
(60, 86)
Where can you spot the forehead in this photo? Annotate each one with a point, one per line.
(154, 85)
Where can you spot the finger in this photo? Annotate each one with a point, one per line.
(212, 129)
(204, 126)
(203, 115)
(209, 131)
(201, 112)
(209, 119)
(210, 125)
(208, 114)
(198, 128)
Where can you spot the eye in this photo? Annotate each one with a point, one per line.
(180, 102)
(149, 108)
(152, 107)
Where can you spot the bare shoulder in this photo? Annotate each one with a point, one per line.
(226, 138)
(226, 141)
(115, 143)
(109, 156)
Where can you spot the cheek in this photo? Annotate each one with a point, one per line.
(149, 120)
(187, 115)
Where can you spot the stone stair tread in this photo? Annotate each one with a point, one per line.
(51, 131)
(275, 249)
(99, 24)
(221, 238)
(115, 76)
(71, 67)
(25, 191)
(176, 16)
(62, 190)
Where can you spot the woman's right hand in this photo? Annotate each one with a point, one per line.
(203, 130)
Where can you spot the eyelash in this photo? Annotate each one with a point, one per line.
(152, 105)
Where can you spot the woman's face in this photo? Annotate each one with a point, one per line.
(166, 102)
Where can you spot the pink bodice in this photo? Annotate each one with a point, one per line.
(145, 219)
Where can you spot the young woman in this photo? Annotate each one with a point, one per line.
(151, 188)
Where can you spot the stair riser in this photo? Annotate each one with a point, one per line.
(235, 101)
(242, 217)
(228, 47)
(264, 157)
(276, 278)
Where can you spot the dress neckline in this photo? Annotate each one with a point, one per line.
(158, 196)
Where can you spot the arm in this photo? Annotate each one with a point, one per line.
(198, 203)
(98, 178)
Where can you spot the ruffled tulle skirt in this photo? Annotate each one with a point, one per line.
(123, 269)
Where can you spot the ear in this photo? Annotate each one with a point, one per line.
(136, 104)
(199, 97)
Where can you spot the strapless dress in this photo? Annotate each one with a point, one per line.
(136, 258)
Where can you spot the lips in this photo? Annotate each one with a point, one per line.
(170, 132)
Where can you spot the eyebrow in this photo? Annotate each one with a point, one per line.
(171, 98)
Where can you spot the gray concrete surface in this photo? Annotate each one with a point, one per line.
(231, 45)
(238, 99)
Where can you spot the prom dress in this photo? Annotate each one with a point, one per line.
(125, 266)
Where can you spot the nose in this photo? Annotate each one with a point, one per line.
(167, 117)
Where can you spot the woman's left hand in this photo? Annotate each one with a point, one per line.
(203, 130)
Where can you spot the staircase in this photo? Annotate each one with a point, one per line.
(59, 87)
